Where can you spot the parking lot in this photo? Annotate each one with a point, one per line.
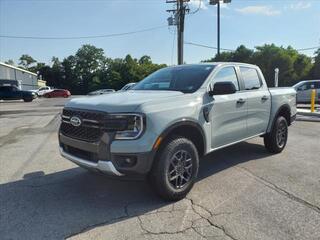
(243, 192)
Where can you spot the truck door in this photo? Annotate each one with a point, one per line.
(259, 101)
(229, 112)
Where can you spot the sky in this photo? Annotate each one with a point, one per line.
(249, 22)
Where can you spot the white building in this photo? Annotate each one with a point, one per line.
(10, 75)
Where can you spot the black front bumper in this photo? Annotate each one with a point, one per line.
(95, 154)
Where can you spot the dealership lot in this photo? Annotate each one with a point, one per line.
(243, 192)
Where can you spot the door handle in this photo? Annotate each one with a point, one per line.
(264, 98)
(241, 101)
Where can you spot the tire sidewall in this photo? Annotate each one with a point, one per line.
(160, 170)
(188, 147)
(280, 120)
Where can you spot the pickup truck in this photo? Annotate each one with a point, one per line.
(164, 125)
(14, 93)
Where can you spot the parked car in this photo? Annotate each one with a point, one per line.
(169, 120)
(57, 93)
(101, 91)
(14, 93)
(304, 89)
(128, 86)
(42, 90)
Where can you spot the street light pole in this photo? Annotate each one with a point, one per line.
(218, 28)
(217, 2)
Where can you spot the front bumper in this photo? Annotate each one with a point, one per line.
(98, 157)
(102, 166)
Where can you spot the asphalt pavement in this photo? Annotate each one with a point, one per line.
(243, 192)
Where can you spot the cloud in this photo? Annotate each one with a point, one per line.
(204, 4)
(300, 5)
(197, 3)
(259, 10)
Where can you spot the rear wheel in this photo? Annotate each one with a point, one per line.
(175, 169)
(27, 99)
(276, 140)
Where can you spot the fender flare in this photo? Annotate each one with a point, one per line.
(281, 108)
(185, 122)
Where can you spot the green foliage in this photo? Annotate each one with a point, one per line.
(26, 61)
(315, 70)
(293, 66)
(9, 62)
(89, 69)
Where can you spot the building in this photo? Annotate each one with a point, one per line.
(23, 79)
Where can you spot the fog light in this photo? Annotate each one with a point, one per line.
(126, 161)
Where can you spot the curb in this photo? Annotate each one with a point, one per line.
(309, 114)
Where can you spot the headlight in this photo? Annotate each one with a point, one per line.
(132, 125)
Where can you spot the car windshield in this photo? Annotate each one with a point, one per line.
(186, 79)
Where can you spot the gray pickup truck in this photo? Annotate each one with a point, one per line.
(164, 125)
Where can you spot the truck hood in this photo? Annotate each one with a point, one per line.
(127, 101)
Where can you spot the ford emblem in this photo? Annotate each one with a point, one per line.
(75, 121)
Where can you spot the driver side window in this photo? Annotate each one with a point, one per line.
(227, 74)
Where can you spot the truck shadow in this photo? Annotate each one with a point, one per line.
(61, 204)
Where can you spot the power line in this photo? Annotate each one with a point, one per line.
(206, 46)
(198, 9)
(84, 37)
(231, 50)
(306, 49)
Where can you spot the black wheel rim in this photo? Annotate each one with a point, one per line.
(281, 135)
(180, 169)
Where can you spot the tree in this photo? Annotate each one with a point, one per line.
(9, 62)
(89, 60)
(293, 66)
(26, 61)
(315, 70)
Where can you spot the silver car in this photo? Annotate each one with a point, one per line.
(304, 89)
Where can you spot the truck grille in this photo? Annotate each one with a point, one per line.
(82, 132)
(89, 130)
(93, 124)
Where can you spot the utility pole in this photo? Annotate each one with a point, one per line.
(178, 20)
(217, 2)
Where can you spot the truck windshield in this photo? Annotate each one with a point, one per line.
(186, 79)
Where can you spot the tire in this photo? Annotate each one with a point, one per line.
(27, 99)
(183, 172)
(276, 140)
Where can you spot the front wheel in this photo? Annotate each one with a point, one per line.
(276, 140)
(175, 169)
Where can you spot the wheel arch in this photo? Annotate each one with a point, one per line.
(186, 128)
(284, 111)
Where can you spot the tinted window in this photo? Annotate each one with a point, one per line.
(227, 74)
(4, 89)
(250, 78)
(308, 86)
(187, 78)
(9, 89)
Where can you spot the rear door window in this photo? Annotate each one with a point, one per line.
(251, 78)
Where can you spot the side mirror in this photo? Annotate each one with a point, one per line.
(222, 88)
